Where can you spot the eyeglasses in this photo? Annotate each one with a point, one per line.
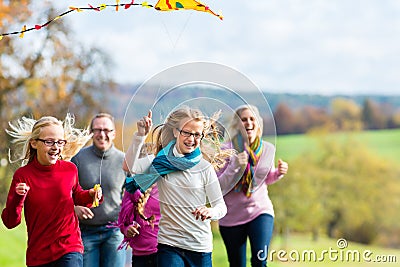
(187, 134)
(98, 130)
(48, 142)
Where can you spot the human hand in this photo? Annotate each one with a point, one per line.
(96, 193)
(22, 189)
(283, 167)
(83, 213)
(202, 212)
(133, 230)
(144, 125)
(242, 159)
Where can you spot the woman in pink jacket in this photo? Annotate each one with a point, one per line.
(244, 183)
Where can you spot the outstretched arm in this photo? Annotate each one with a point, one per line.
(144, 125)
(277, 173)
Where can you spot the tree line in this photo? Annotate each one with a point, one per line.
(342, 114)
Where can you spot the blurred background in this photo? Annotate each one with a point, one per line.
(327, 69)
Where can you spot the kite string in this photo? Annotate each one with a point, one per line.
(99, 8)
(180, 33)
(71, 9)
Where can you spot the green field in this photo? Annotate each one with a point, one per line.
(298, 251)
(12, 246)
(297, 248)
(385, 144)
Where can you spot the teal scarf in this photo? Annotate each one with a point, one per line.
(162, 164)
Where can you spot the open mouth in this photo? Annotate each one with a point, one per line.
(189, 145)
(54, 155)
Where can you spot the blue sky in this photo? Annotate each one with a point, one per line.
(291, 46)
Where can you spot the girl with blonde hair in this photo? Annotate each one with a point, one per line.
(47, 187)
(244, 182)
(188, 188)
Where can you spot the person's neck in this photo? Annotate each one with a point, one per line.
(102, 153)
(177, 153)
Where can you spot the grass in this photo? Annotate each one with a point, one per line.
(384, 143)
(299, 249)
(334, 256)
(13, 245)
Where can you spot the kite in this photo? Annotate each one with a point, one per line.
(162, 5)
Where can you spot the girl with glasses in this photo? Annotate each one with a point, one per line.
(47, 187)
(186, 152)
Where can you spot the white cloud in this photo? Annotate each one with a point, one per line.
(335, 46)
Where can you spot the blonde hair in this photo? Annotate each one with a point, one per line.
(141, 202)
(210, 144)
(26, 129)
(146, 149)
(236, 122)
(163, 134)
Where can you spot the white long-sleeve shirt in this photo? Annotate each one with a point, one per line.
(180, 194)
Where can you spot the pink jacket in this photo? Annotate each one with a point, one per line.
(146, 242)
(243, 209)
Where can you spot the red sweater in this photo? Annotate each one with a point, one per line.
(52, 225)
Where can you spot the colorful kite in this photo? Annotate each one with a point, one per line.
(166, 5)
(162, 5)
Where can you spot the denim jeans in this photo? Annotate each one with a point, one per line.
(145, 261)
(168, 256)
(72, 259)
(259, 232)
(101, 246)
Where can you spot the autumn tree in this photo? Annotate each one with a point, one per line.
(309, 117)
(47, 72)
(339, 188)
(372, 116)
(346, 114)
(284, 119)
(394, 120)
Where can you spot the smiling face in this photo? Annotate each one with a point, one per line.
(48, 155)
(250, 124)
(103, 133)
(186, 142)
